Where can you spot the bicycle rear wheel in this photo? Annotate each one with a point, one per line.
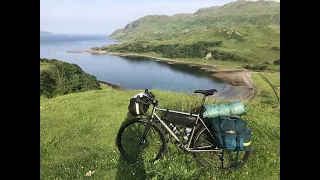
(129, 141)
(204, 141)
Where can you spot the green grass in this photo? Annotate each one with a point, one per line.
(78, 131)
(274, 78)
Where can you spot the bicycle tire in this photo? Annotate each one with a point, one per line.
(214, 161)
(131, 150)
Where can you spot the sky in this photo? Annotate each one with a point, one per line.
(105, 16)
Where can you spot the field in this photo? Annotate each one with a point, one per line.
(78, 131)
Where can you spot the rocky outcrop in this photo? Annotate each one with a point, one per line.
(208, 56)
(132, 25)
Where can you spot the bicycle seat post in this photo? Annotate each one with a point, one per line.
(206, 93)
(202, 102)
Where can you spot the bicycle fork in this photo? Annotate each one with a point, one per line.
(146, 130)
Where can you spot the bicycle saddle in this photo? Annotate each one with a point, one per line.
(206, 92)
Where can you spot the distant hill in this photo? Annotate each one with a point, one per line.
(45, 32)
(256, 43)
(236, 13)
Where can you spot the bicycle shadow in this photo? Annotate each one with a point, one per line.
(126, 170)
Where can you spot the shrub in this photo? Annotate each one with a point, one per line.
(277, 62)
(256, 67)
(64, 78)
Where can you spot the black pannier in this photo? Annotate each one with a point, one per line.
(137, 109)
(179, 119)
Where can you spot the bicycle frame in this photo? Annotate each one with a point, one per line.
(153, 121)
(185, 147)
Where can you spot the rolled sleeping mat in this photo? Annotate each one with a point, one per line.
(225, 110)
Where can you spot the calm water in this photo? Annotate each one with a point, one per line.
(129, 73)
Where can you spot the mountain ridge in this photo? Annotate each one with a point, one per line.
(45, 32)
(241, 12)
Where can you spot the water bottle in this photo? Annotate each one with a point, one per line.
(187, 132)
(174, 128)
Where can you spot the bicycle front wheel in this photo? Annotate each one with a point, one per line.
(214, 159)
(133, 148)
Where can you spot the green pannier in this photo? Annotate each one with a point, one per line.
(224, 110)
(232, 134)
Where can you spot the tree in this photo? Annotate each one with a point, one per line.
(64, 78)
(47, 84)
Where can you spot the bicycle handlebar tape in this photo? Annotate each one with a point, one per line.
(226, 109)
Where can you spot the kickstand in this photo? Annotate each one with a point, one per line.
(222, 158)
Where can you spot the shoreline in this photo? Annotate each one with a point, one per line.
(113, 86)
(237, 78)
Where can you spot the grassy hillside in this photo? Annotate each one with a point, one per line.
(249, 32)
(232, 14)
(257, 44)
(78, 131)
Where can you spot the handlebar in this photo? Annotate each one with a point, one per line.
(143, 102)
(148, 99)
(138, 100)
